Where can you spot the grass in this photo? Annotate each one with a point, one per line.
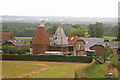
(58, 71)
(95, 71)
(110, 38)
(13, 69)
(54, 69)
(23, 38)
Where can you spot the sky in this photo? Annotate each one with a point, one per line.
(75, 8)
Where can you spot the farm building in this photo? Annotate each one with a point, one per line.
(78, 45)
(99, 47)
(90, 41)
(17, 43)
(57, 43)
(40, 41)
(7, 36)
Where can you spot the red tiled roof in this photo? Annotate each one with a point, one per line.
(7, 36)
(50, 35)
(73, 39)
(41, 36)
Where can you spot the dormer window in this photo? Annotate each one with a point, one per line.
(79, 46)
(72, 38)
(35, 45)
(55, 38)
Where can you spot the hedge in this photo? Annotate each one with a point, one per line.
(51, 58)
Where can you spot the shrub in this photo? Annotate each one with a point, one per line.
(7, 49)
(53, 58)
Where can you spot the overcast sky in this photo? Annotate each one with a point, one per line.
(76, 8)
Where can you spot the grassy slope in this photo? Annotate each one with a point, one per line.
(95, 71)
(12, 69)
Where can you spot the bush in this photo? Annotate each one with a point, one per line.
(7, 49)
(114, 61)
(53, 58)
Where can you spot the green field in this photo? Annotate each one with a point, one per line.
(110, 38)
(35, 69)
(14, 68)
(23, 38)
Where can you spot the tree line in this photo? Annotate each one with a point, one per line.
(81, 30)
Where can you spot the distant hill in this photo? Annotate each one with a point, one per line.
(53, 19)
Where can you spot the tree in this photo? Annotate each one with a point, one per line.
(118, 36)
(108, 52)
(51, 30)
(96, 30)
(80, 31)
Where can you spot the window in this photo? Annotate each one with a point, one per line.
(67, 38)
(35, 45)
(50, 38)
(86, 42)
(72, 38)
(55, 38)
(79, 46)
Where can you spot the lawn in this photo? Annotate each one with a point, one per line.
(110, 38)
(46, 69)
(15, 68)
(23, 38)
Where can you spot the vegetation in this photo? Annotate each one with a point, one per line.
(110, 30)
(52, 69)
(8, 49)
(118, 36)
(23, 38)
(108, 52)
(79, 31)
(14, 69)
(110, 38)
(51, 30)
(95, 71)
(59, 71)
(51, 58)
(21, 29)
(96, 30)
(114, 61)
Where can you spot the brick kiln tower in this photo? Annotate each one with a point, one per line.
(41, 40)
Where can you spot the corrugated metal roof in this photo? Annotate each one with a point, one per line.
(89, 41)
(19, 42)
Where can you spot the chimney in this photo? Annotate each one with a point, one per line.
(42, 24)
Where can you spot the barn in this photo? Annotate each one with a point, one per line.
(99, 47)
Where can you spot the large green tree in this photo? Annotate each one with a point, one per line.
(51, 30)
(118, 36)
(79, 31)
(96, 30)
